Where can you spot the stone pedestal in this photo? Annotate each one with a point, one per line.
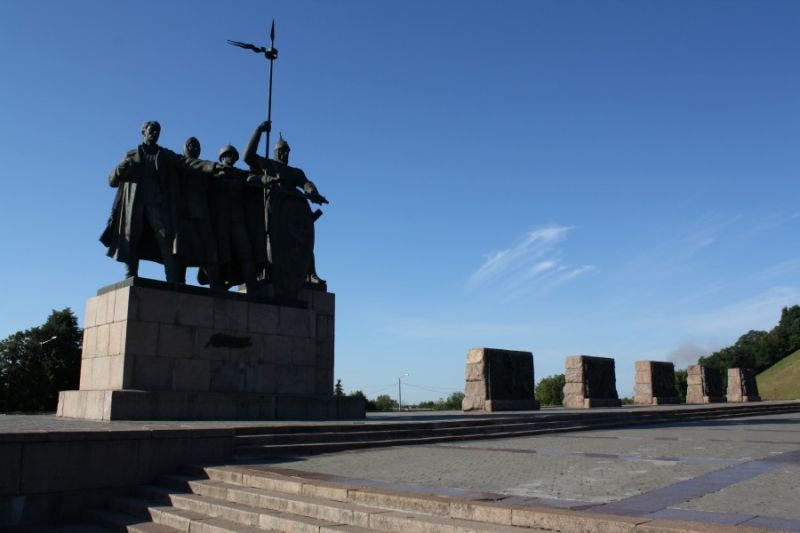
(742, 385)
(590, 382)
(499, 380)
(703, 385)
(655, 383)
(150, 353)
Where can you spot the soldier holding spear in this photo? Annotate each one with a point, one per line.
(279, 181)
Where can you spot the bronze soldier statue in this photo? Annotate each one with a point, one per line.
(196, 243)
(282, 180)
(232, 221)
(144, 214)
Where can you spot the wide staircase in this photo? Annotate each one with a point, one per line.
(236, 498)
(250, 497)
(253, 443)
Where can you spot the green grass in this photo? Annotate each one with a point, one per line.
(781, 381)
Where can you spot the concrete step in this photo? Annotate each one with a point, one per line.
(180, 519)
(538, 417)
(379, 433)
(317, 504)
(253, 443)
(296, 504)
(393, 510)
(119, 521)
(249, 452)
(241, 514)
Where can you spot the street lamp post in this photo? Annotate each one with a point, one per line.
(400, 392)
(51, 339)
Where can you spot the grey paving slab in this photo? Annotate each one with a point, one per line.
(588, 479)
(646, 448)
(777, 490)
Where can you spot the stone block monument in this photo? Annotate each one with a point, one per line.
(703, 385)
(655, 383)
(499, 380)
(742, 385)
(150, 353)
(590, 382)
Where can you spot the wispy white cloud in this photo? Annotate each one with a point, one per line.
(535, 244)
(572, 273)
(535, 260)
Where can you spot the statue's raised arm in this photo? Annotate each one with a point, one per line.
(251, 157)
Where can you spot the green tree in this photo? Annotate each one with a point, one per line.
(338, 390)
(370, 405)
(453, 402)
(37, 363)
(681, 384)
(550, 390)
(760, 350)
(384, 402)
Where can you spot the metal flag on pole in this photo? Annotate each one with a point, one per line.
(271, 54)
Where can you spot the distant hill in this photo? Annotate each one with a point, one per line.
(781, 381)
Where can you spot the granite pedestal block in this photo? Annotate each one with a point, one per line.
(150, 353)
(655, 383)
(499, 380)
(742, 385)
(590, 382)
(703, 385)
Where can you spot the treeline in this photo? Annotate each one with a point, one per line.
(451, 403)
(384, 402)
(38, 362)
(760, 350)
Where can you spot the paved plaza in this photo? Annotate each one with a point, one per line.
(722, 471)
(733, 471)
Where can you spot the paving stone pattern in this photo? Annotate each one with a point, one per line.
(733, 471)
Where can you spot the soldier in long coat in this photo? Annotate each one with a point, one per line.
(240, 251)
(144, 214)
(196, 242)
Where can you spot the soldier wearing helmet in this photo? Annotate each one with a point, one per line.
(232, 220)
(276, 173)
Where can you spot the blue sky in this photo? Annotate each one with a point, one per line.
(603, 177)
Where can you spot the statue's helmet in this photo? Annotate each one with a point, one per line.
(229, 149)
(282, 144)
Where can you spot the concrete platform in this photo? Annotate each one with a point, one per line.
(730, 472)
(723, 471)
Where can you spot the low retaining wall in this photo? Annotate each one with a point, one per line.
(51, 476)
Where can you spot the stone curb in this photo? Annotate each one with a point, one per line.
(464, 508)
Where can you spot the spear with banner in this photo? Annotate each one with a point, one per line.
(271, 53)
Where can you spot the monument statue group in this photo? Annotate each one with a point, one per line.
(237, 226)
(157, 350)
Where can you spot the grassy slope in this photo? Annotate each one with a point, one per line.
(781, 381)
